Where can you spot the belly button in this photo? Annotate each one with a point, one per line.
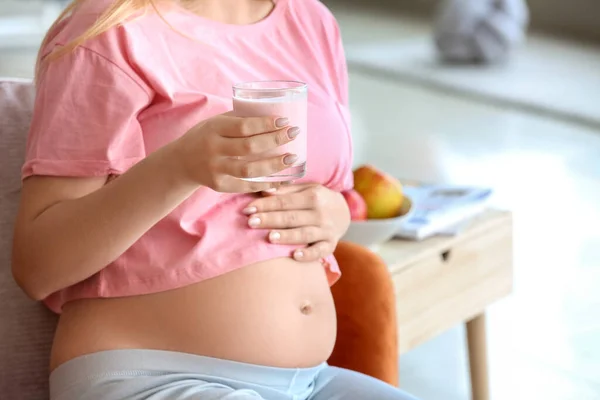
(306, 308)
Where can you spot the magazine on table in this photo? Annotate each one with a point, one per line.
(440, 209)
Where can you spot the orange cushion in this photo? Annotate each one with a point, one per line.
(364, 296)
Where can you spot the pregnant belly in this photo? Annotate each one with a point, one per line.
(278, 313)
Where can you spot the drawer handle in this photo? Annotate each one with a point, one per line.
(445, 256)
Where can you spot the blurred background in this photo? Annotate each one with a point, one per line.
(496, 93)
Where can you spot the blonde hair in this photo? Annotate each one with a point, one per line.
(117, 12)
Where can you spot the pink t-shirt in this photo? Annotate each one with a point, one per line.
(139, 86)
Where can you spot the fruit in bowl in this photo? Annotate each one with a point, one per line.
(356, 204)
(386, 207)
(381, 191)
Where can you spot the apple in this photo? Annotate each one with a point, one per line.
(381, 191)
(356, 204)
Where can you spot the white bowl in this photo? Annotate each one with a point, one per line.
(373, 232)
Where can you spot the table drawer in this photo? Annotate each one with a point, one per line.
(452, 284)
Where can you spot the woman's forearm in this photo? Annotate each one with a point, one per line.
(74, 239)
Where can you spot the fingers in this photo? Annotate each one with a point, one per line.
(257, 144)
(237, 127)
(315, 252)
(300, 236)
(293, 188)
(241, 168)
(296, 197)
(284, 219)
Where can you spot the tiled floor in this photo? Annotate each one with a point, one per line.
(545, 340)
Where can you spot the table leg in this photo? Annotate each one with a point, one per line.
(476, 340)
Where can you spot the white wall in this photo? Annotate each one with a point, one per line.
(24, 23)
(574, 18)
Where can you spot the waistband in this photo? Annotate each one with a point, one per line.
(160, 361)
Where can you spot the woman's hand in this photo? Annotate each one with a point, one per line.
(219, 151)
(304, 214)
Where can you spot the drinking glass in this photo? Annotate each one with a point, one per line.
(286, 99)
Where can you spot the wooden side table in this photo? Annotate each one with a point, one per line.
(443, 281)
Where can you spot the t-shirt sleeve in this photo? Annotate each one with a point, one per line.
(85, 118)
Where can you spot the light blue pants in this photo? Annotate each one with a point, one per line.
(165, 375)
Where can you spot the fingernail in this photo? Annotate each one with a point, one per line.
(293, 132)
(254, 221)
(272, 190)
(249, 210)
(281, 122)
(298, 254)
(274, 236)
(290, 159)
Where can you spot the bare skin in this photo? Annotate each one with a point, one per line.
(278, 312)
(257, 314)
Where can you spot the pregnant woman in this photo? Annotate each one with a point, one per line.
(173, 278)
